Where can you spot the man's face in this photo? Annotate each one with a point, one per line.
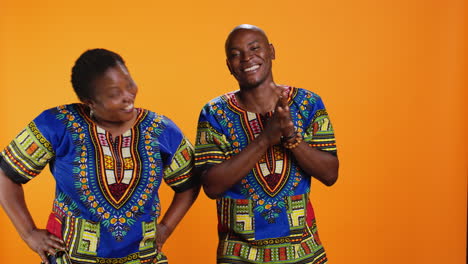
(249, 57)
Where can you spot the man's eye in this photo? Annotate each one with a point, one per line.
(255, 48)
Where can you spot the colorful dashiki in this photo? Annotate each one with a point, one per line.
(267, 216)
(106, 204)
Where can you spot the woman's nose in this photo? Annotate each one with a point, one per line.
(128, 96)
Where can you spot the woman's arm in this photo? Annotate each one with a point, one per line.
(181, 203)
(12, 201)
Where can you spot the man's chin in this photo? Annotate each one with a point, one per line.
(250, 84)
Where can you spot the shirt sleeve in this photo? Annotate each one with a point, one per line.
(178, 167)
(29, 152)
(319, 133)
(211, 145)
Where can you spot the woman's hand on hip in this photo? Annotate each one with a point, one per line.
(162, 233)
(44, 243)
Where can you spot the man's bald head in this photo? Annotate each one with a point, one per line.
(244, 27)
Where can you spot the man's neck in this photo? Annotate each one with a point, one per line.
(261, 99)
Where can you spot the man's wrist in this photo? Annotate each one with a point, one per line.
(294, 142)
(285, 139)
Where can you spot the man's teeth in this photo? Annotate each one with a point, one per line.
(252, 68)
(129, 107)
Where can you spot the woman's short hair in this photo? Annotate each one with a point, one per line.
(90, 65)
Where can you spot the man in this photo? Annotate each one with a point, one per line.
(257, 149)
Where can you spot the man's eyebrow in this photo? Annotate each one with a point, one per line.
(250, 43)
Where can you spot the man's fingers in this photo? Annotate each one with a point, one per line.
(282, 94)
(279, 109)
(275, 88)
(283, 113)
(284, 99)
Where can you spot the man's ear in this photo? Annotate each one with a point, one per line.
(272, 51)
(229, 66)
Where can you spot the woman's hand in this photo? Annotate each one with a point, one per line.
(43, 243)
(162, 233)
(12, 200)
(181, 203)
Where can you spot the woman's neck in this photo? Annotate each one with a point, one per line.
(115, 128)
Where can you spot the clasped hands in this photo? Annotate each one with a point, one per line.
(280, 127)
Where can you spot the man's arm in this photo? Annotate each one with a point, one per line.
(321, 165)
(219, 178)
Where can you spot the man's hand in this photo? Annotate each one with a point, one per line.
(280, 124)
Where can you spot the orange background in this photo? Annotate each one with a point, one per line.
(392, 74)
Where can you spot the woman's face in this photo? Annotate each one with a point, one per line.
(114, 95)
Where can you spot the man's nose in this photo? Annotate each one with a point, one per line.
(246, 56)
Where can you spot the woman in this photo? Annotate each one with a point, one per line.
(108, 159)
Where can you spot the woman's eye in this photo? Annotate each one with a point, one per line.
(114, 95)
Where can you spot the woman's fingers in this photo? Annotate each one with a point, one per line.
(44, 243)
(161, 236)
(56, 242)
(52, 237)
(43, 257)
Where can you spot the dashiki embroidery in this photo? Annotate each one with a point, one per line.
(106, 204)
(267, 216)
